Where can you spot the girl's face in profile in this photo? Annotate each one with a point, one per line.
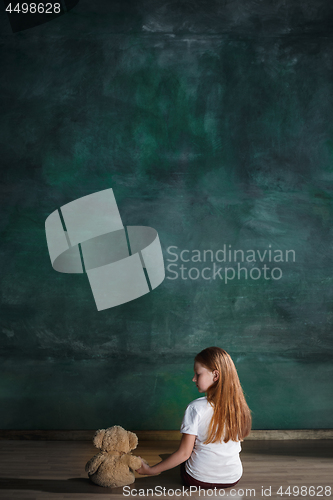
(203, 377)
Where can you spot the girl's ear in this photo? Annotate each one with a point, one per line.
(216, 375)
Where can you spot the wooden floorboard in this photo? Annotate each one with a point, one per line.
(54, 470)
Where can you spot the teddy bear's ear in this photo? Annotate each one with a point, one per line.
(132, 439)
(98, 438)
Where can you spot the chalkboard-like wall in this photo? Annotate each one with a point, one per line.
(212, 123)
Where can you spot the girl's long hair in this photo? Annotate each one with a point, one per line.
(232, 417)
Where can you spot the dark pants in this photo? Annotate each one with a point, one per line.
(190, 481)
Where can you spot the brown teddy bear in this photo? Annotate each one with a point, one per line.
(114, 465)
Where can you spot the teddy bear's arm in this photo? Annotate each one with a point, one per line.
(94, 463)
(132, 461)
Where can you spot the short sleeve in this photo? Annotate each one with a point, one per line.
(190, 421)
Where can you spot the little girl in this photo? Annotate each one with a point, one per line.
(212, 427)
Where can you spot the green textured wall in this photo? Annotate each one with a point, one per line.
(212, 122)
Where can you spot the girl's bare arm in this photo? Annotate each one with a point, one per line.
(183, 453)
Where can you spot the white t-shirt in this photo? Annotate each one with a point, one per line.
(214, 462)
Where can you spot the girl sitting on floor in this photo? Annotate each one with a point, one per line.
(213, 426)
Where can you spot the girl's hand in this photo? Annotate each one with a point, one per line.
(145, 469)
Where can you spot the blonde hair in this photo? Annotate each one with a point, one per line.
(232, 417)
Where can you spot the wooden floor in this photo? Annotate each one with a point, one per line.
(47, 470)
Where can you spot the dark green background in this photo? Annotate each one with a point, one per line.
(212, 122)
